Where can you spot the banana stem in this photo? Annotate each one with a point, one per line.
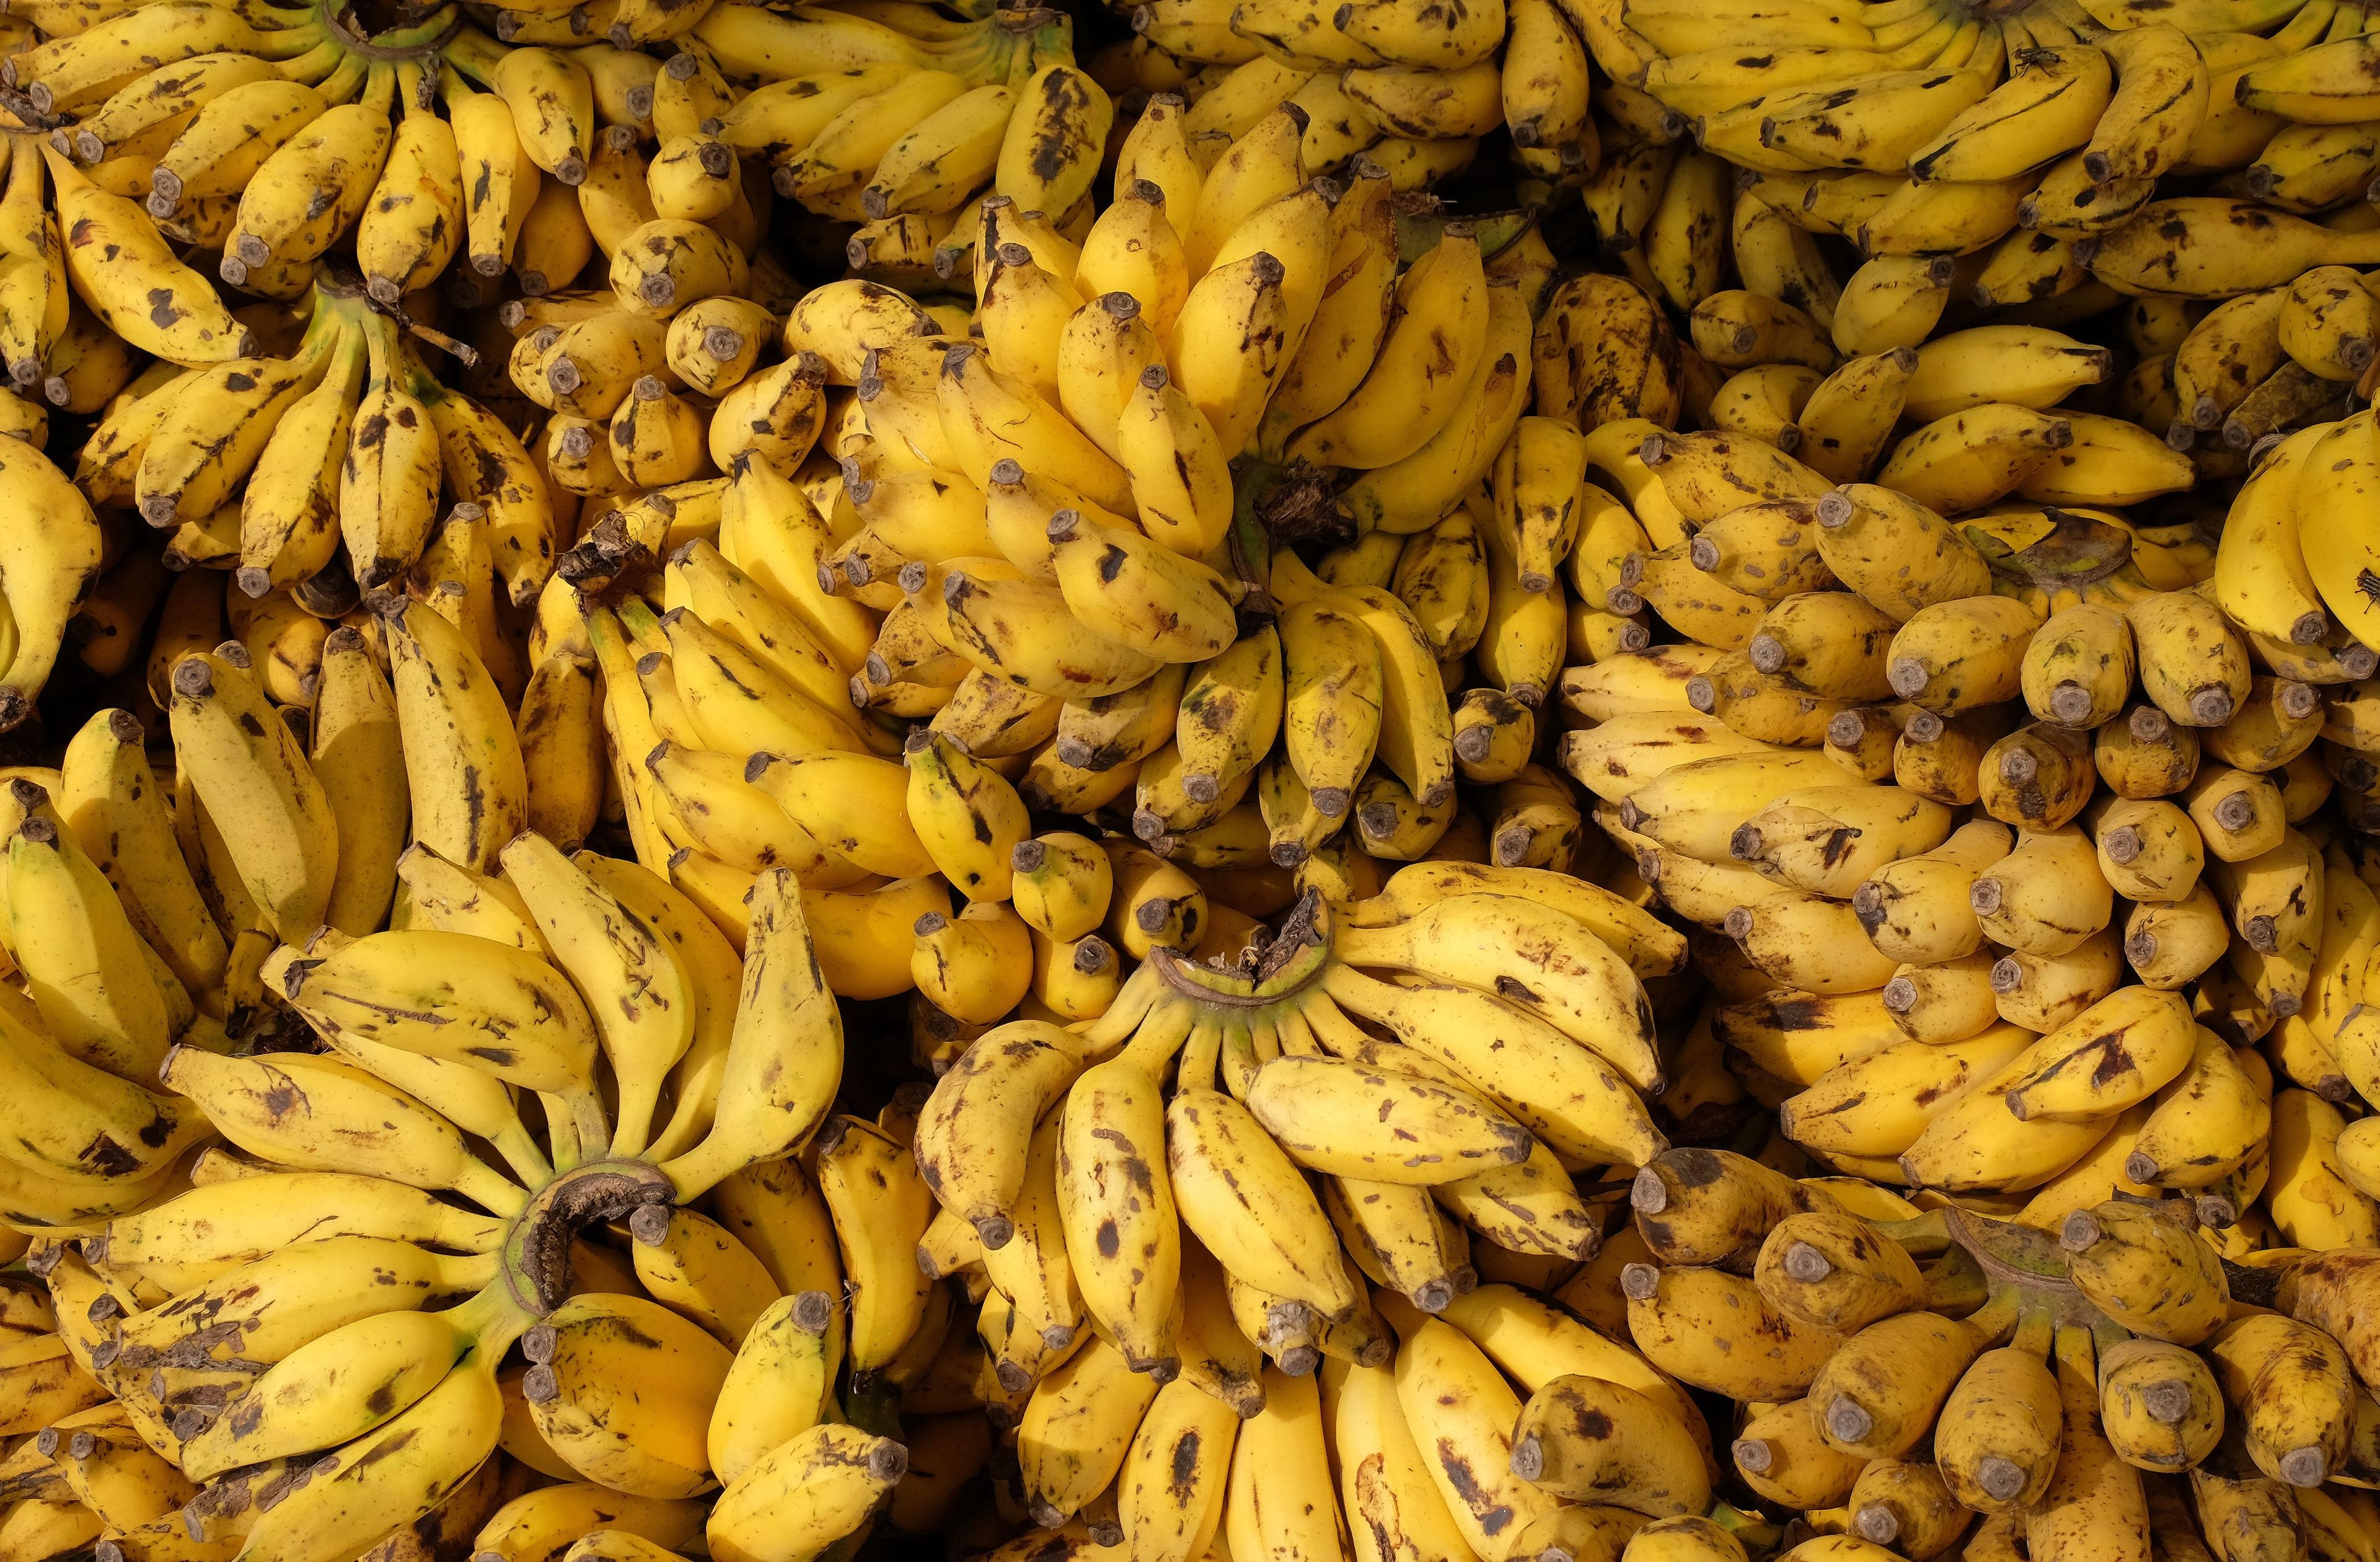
(1997, 1318)
(689, 1122)
(343, 79)
(1957, 1284)
(490, 1189)
(1200, 1057)
(700, 1169)
(289, 42)
(520, 1152)
(587, 1110)
(635, 1127)
(490, 1321)
(312, 65)
(1925, 1236)
(1159, 1037)
(474, 54)
(562, 1134)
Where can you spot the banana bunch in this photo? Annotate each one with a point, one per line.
(863, 119)
(1051, 506)
(1064, 1159)
(1167, 1280)
(2059, 1377)
(304, 1295)
(1416, 102)
(266, 135)
(1919, 130)
(2288, 570)
(330, 463)
(537, 152)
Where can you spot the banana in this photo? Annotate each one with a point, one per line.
(1374, 428)
(1582, 988)
(2238, 813)
(359, 760)
(1024, 633)
(880, 1206)
(405, 1467)
(563, 748)
(642, 1000)
(337, 1387)
(1564, 1442)
(1139, 593)
(1894, 550)
(802, 1496)
(78, 1122)
(2045, 896)
(2130, 1263)
(975, 966)
(1171, 1491)
(1334, 697)
(118, 263)
(2170, 946)
(189, 1239)
(1447, 1385)
(548, 1521)
(1998, 1437)
(264, 790)
(2158, 103)
(1242, 1197)
(1780, 1455)
(2092, 1492)
(785, 1059)
(777, 1387)
(2159, 1405)
(469, 782)
(648, 1438)
(1077, 1429)
(2054, 97)
(110, 801)
(1110, 1182)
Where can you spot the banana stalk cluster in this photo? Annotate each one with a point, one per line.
(295, 1341)
(311, 474)
(2086, 1376)
(1921, 130)
(268, 135)
(1164, 1279)
(1413, 94)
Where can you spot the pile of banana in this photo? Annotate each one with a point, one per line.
(1697, 885)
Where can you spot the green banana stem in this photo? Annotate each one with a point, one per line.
(1928, 1236)
(491, 1321)
(474, 54)
(345, 79)
(562, 1135)
(490, 1189)
(520, 1152)
(1051, 42)
(289, 42)
(313, 64)
(1997, 1318)
(1957, 1285)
